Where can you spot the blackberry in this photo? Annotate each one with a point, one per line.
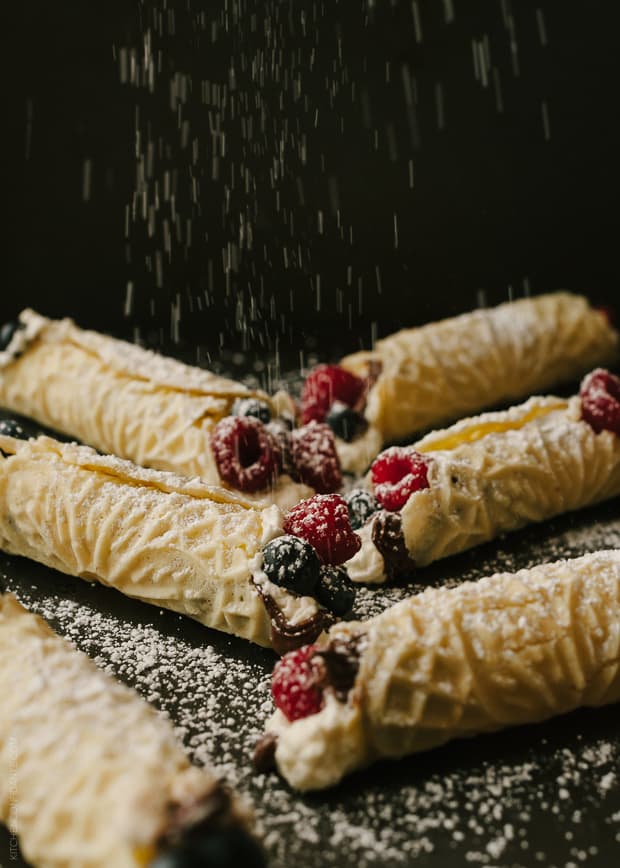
(293, 564)
(334, 590)
(362, 504)
(252, 407)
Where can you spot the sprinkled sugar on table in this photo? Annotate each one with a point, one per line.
(543, 795)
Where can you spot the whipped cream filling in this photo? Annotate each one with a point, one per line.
(317, 751)
(294, 609)
(272, 524)
(367, 565)
(356, 457)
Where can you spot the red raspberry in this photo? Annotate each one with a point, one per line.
(246, 454)
(324, 522)
(396, 474)
(326, 384)
(600, 401)
(313, 449)
(294, 684)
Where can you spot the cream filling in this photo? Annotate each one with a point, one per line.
(357, 456)
(367, 565)
(317, 751)
(477, 427)
(272, 524)
(295, 610)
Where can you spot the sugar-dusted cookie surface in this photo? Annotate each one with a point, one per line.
(422, 377)
(168, 540)
(124, 400)
(509, 649)
(486, 475)
(90, 775)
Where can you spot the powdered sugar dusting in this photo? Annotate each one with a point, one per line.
(545, 795)
(475, 802)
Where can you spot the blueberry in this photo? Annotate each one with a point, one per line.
(334, 590)
(219, 848)
(252, 407)
(11, 428)
(7, 331)
(292, 563)
(345, 422)
(362, 504)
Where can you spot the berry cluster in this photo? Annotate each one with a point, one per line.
(250, 450)
(306, 559)
(333, 395)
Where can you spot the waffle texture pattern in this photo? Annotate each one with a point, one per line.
(457, 366)
(124, 400)
(510, 649)
(174, 542)
(529, 472)
(88, 770)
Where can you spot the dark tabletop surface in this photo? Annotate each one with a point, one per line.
(247, 182)
(539, 795)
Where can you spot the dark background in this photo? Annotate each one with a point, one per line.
(238, 162)
(242, 164)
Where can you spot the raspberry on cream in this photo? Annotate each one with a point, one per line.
(449, 663)
(600, 401)
(491, 474)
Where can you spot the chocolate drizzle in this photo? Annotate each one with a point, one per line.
(286, 636)
(340, 663)
(387, 535)
(264, 756)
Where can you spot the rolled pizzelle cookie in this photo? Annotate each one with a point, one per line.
(176, 543)
(486, 475)
(448, 663)
(90, 775)
(420, 377)
(132, 402)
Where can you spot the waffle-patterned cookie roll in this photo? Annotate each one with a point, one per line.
(177, 543)
(506, 650)
(153, 410)
(490, 474)
(420, 377)
(91, 775)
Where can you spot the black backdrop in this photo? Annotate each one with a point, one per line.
(259, 169)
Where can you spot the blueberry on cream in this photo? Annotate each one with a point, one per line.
(298, 575)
